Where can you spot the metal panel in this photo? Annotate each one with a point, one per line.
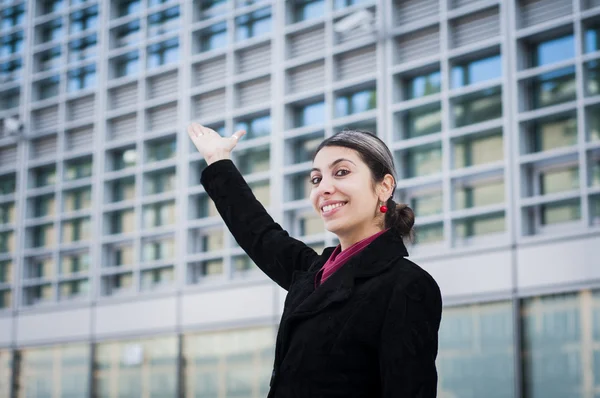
(145, 316)
(253, 92)
(210, 71)
(161, 85)
(254, 58)
(407, 11)
(44, 147)
(72, 323)
(123, 126)
(163, 116)
(80, 108)
(46, 118)
(210, 104)
(306, 42)
(416, 45)
(80, 138)
(123, 96)
(8, 156)
(356, 63)
(534, 12)
(306, 77)
(475, 27)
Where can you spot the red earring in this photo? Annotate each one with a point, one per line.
(383, 208)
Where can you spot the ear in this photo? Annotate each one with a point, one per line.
(386, 188)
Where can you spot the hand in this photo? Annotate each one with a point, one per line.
(210, 144)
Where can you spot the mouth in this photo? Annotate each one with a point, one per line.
(329, 209)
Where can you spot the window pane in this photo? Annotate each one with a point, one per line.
(560, 212)
(78, 199)
(476, 150)
(477, 108)
(554, 133)
(253, 24)
(161, 150)
(256, 127)
(8, 184)
(7, 213)
(159, 214)
(160, 181)
(553, 88)
(592, 78)
(157, 278)
(482, 194)
(554, 50)
(420, 86)
(77, 169)
(309, 114)
(253, 160)
(427, 204)
(308, 9)
(213, 37)
(351, 103)
(430, 233)
(422, 121)
(262, 192)
(476, 71)
(122, 189)
(553, 181)
(7, 242)
(480, 225)
(476, 351)
(304, 148)
(423, 161)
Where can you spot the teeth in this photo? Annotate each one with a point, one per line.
(331, 207)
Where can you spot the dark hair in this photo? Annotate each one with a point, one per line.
(380, 161)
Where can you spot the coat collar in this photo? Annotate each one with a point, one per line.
(375, 259)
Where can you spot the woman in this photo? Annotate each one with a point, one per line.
(359, 320)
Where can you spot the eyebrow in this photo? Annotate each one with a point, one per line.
(334, 163)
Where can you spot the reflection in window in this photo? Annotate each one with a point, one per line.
(48, 88)
(592, 77)
(592, 39)
(5, 302)
(7, 213)
(76, 230)
(43, 176)
(128, 7)
(256, 127)
(51, 31)
(304, 148)
(7, 242)
(163, 53)
(213, 37)
(157, 278)
(422, 85)
(475, 150)
(84, 48)
(554, 50)
(122, 189)
(560, 212)
(74, 263)
(115, 284)
(42, 236)
(80, 168)
(128, 34)
(163, 22)
(310, 224)
(212, 8)
(253, 24)
(553, 88)
(477, 108)
(553, 133)
(127, 65)
(309, 114)
(427, 204)
(205, 269)
(50, 6)
(12, 16)
(123, 158)
(467, 196)
(308, 9)
(11, 44)
(346, 3)
(476, 346)
(6, 271)
(73, 289)
(423, 161)
(356, 102)
(421, 121)
(82, 78)
(8, 184)
(119, 255)
(205, 207)
(121, 221)
(253, 160)
(161, 150)
(158, 214)
(559, 180)
(162, 249)
(301, 186)
(50, 59)
(429, 233)
(84, 19)
(10, 71)
(480, 70)
(78, 199)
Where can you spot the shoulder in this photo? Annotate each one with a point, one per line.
(406, 277)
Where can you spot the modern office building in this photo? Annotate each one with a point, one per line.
(117, 276)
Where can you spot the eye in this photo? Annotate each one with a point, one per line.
(342, 172)
(315, 180)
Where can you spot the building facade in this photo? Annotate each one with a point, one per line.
(117, 277)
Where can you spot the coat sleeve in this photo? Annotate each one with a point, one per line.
(409, 341)
(265, 242)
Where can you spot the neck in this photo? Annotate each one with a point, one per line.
(347, 240)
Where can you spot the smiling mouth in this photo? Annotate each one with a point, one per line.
(329, 208)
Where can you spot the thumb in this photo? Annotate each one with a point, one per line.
(238, 135)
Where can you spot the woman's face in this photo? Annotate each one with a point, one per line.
(342, 190)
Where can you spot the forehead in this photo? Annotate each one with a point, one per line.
(333, 153)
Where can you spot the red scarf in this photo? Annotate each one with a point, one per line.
(338, 258)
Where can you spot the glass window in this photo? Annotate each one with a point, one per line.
(553, 88)
(8, 184)
(160, 181)
(12, 16)
(6, 271)
(243, 264)
(213, 37)
(310, 223)
(5, 302)
(205, 269)
(593, 125)
(480, 70)
(553, 133)
(304, 148)
(159, 214)
(84, 19)
(253, 24)
(559, 180)
(11, 44)
(115, 284)
(554, 50)
(157, 278)
(301, 186)
(128, 34)
(421, 121)
(346, 3)
(51, 31)
(64, 368)
(212, 8)
(10, 71)
(308, 9)
(82, 49)
(78, 168)
(7, 213)
(592, 77)
(82, 78)
(241, 359)
(121, 221)
(74, 263)
(256, 127)
(205, 207)
(422, 161)
(49, 59)
(427, 204)
(155, 250)
(118, 255)
(422, 85)
(48, 88)
(262, 192)
(43, 236)
(7, 242)
(475, 150)
(122, 189)
(137, 367)
(163, 22)
(43, 176)
(127, 65)
(209, 240)
(49, 6)
(487, 193)
(76, 230)
(78, 199)
(39, 268)
(152, 3)
(306, 115)
(253, 160)
(476, 346)
(161, 150)
(356, 102)
(163, 53)
(593, 176)
(73, 289)
(123, 158)
(560, 212)
(479, 107)
(429, 233)
(592, 38)
(38, 295)
(127, 7)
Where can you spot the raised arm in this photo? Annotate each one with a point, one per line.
(267, 244)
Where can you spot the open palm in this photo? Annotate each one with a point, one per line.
(210, 144)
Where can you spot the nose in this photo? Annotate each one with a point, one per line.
(326, 187)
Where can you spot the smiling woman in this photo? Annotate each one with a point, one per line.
(360, 320)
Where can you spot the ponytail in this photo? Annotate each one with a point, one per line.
(400, 218)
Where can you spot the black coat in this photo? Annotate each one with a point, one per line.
(370, 330)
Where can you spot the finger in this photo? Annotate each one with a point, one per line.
(238, 135)
(197, 129)
(191, 132)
